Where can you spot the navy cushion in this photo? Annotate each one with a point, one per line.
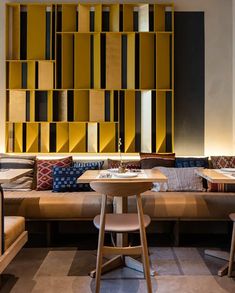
(65, 178)
(191, 162)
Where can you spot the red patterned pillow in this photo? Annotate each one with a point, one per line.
(45, 170)
(223, 162)
(127, 164)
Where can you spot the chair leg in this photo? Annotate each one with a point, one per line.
(100, 244)
(232, 251)
(145, 255)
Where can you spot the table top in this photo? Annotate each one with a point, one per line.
(9, 175)
(148, 175)
(216, 176)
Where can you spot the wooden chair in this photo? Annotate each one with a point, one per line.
(122, 223)
(232, 249)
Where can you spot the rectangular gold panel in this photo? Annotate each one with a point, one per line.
(36, 31)
(31, 72)
(159, 17)
(131, 61)
(62, 106)
(15, 73)
(161, 122)
(10, 137)
(81, 105)
(45, 137)
(146, 61)
(62, 137)
(114, 18)
(92, 137)
(97, 105)
(82, 61)
(32, 132)
(113, 61)
(77, 137)
(97, 65)
(32, 106)
(163, 58)
(50, 106)
(17, 106)
(129, 118)
(13, 31)
(128, 17)
(45, 75)
(98, 14)
(107, 132)
(67, 61)
(69, 17)
(83, 18)
(18, 137)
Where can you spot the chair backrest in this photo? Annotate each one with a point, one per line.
(120, 188)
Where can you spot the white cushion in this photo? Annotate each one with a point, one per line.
(179, 179)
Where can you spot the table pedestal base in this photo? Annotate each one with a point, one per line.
(221, 255)
(119, 261)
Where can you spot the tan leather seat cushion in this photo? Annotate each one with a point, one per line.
(51, 205)
(13, 227)
(185, 205)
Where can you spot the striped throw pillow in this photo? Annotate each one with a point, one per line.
(24, 183)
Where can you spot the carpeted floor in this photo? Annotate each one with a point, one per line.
(65, 270)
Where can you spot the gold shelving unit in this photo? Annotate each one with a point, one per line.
(79, 76)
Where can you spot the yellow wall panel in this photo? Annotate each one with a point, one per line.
(131, 61)
(18, 137)
(32, 106)
(128, 17)
(69, 17)
(36, 31)
(146, 61)
(32, 132)
(97, 105)
(45, 137)
(98, 14)
(159, 17)
(114, 17)
(77, 137)
(161, 122)
(10, 137)
(163, 61)
(15, 73)
(62, 137)
(45, 75)
(83, 18)
(17, 106)
(113, 61)
(92, 137)
(107, 132)
(81, 105)
(31, 71)
(13, 32)
(82, 61)
(67, 61)
(129, 118)
(50, 106)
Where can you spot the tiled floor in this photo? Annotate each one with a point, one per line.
(65, 270)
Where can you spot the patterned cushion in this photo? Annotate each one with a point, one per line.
(191, 162)
(65, 179)
(96, 165)
(24, 183)
(45, 170)
(128, 164)
(223, 162)
(179, 179)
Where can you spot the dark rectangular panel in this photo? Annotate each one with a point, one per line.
(40, 106)
(189, 83)
(124, 61)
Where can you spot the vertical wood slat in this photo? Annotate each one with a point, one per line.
(62, 137)
(161, 122)
(15, 75)
(45, 75)
(36, 31)
(146, 121)
(77, 137)
(44, 137)
(92, 137)
(18, 137)
(107, 137)
(81, 105)
(32, 132)
(113, 61)
(131, 61)
(67, 61)
(97, 105)
(69, 12)
(13, 31)
(17, 106)
(129, 119)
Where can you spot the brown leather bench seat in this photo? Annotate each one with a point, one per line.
(86, 205)
(13, 228)
(48, 205)
(185, 205)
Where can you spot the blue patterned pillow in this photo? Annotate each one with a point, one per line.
(65, 179)
(191, 162)
(92, 165)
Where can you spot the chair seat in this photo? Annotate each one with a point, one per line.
(232, 217)
(121, 222)
(14, 226)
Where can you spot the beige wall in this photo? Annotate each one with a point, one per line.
(219, 130)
